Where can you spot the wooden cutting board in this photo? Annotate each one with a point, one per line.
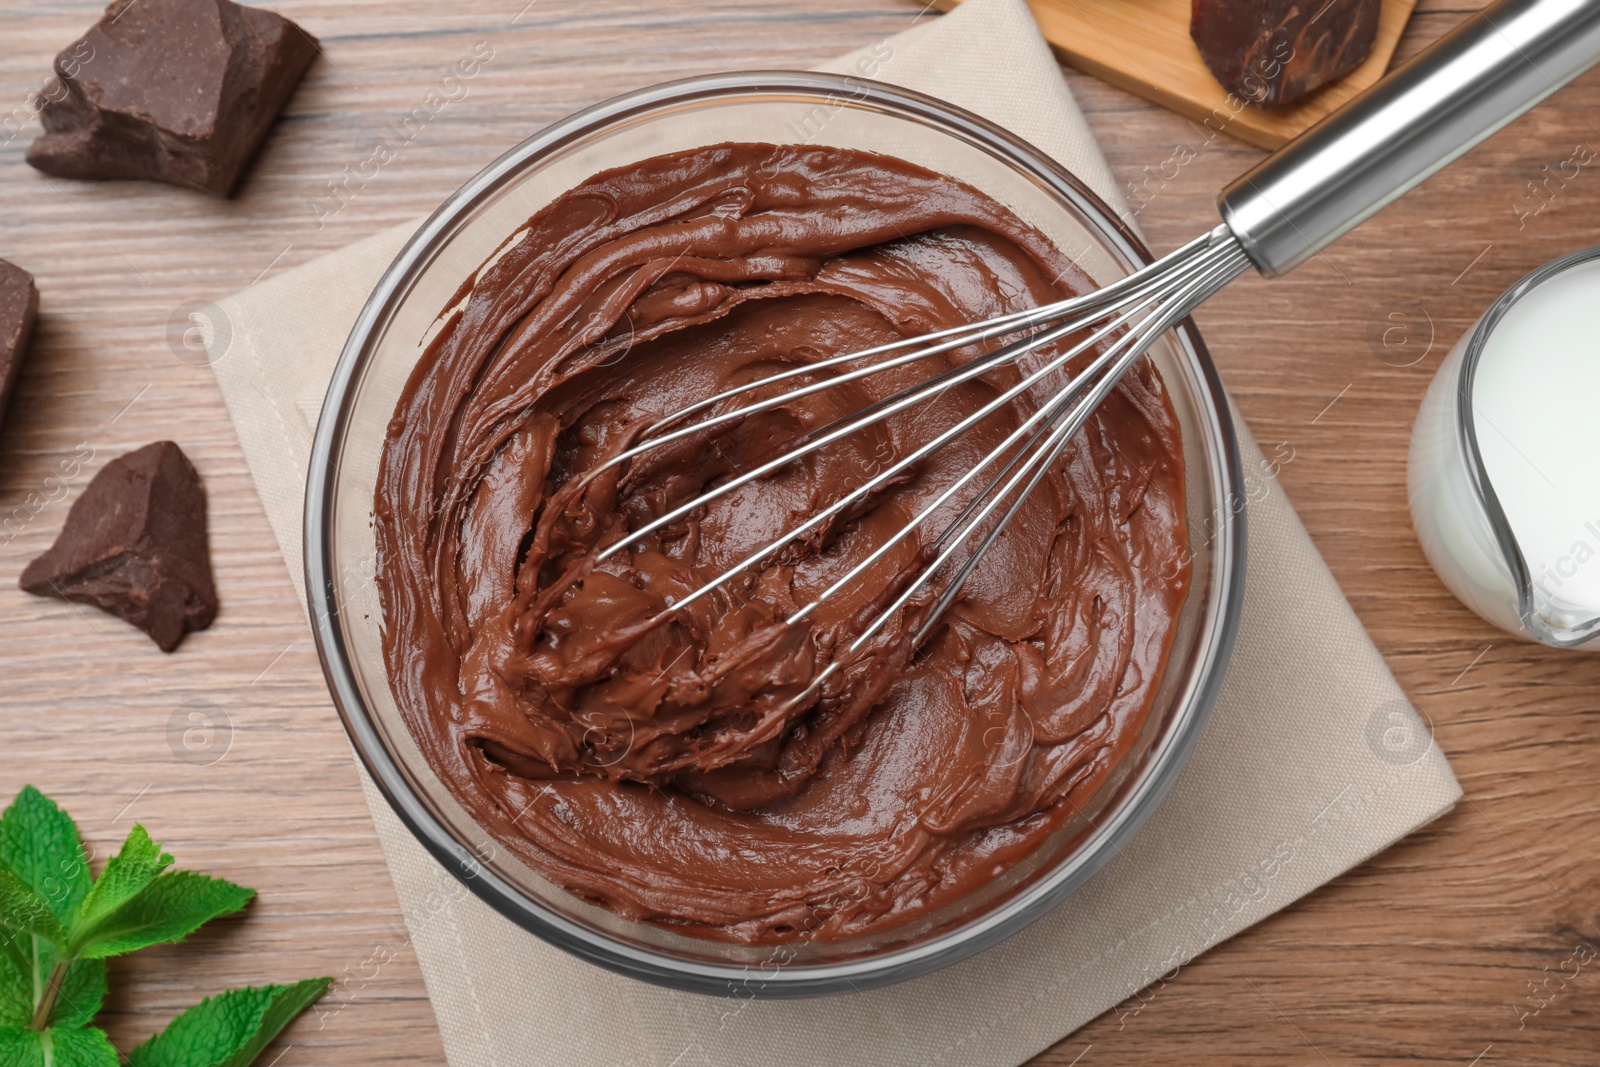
(1144, 47)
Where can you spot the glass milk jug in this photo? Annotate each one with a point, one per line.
(1504, 484)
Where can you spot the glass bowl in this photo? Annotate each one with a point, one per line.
(771, 107)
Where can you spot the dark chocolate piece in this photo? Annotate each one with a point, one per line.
(19, 304)
(178, 91)
(134, 546)
(1278, 51)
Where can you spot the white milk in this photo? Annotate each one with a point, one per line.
(1535, 411)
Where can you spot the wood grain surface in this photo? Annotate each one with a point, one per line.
(1472, 942)
(1144, 46)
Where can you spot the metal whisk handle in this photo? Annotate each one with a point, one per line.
(1486, 72)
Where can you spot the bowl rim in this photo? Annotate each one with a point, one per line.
(1215, 637)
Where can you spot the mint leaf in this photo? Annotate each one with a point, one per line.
(20, 977)
(169, 908)
(126, 875)
(23, 909)
(228, 1030)
(81, 994)
(39, 843)
(26, 961)
(58, 925)
(25, 965)
(21, 1047)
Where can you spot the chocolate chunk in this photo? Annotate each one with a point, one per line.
(19, 303)
(1277, 51)
(178, 91)
(135, 546)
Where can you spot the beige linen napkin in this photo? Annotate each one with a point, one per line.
(1312, 762)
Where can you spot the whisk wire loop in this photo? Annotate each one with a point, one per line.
(1108, 298)
(1222, 267)
(1174, 267)
(1127, 317)
(911, 396)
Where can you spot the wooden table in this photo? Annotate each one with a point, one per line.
(1427, 953)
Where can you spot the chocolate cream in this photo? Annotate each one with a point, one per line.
(666, 771)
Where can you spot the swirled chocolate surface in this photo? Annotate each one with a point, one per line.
(656, 761)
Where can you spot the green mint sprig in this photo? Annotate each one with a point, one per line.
(59, 924)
